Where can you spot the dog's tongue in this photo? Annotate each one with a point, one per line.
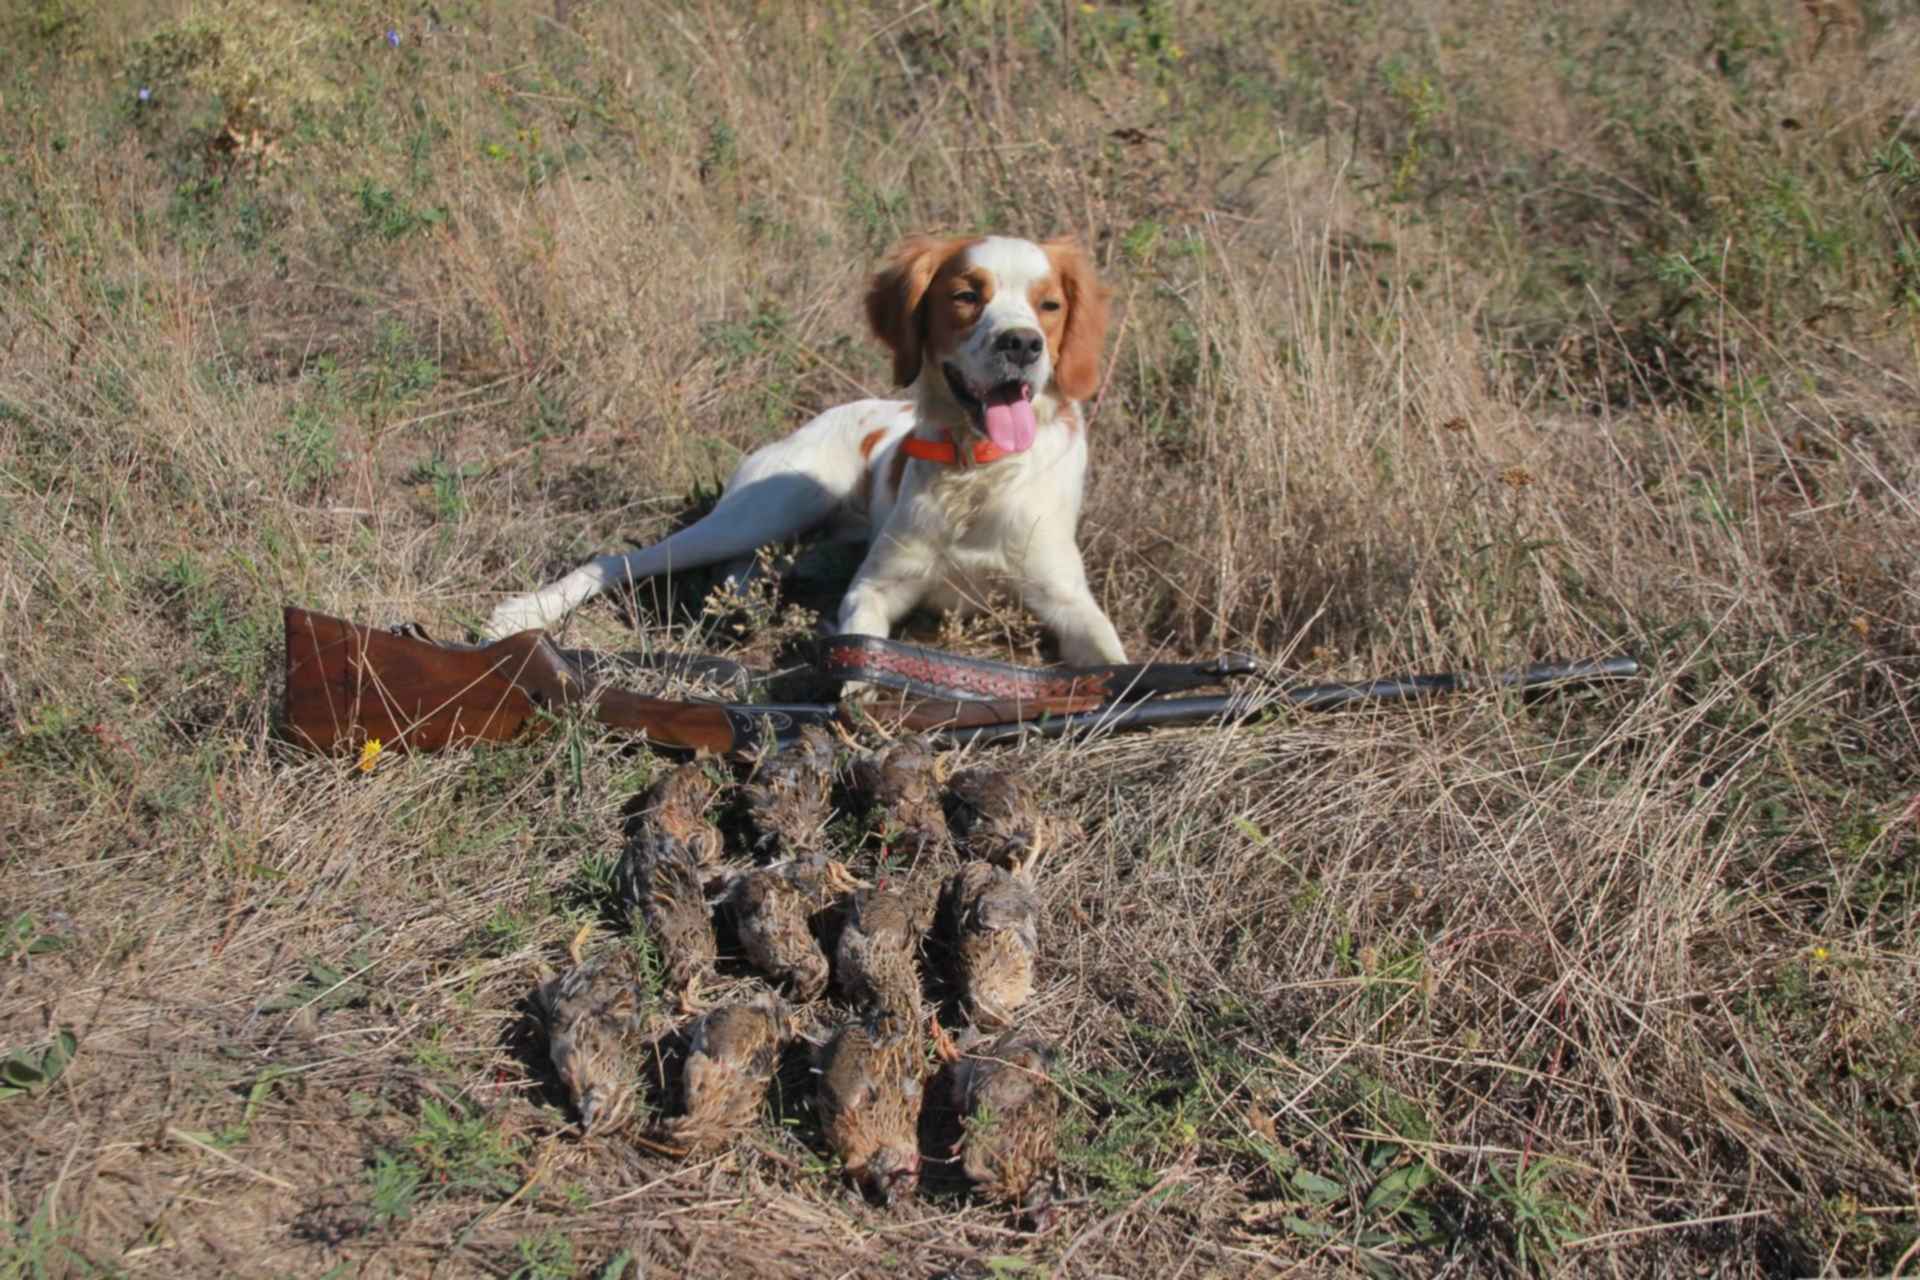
(1010, 423)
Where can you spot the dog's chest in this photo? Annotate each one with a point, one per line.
(981, 524)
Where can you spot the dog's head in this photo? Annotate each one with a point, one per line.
(997, 332)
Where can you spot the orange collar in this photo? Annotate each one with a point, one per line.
(946, 452)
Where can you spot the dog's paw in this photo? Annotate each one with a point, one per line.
(858, 692)
(522, 613)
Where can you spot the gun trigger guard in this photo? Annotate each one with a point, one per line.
(409, 631)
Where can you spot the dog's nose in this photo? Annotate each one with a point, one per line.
(1021, 346)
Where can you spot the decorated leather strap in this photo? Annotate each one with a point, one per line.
(924, 672)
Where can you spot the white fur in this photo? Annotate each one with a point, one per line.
(1017, 265)
(949, 538)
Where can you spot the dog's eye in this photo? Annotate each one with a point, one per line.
(967, 295)
(1051, 304)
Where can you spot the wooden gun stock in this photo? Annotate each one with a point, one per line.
(348, 684)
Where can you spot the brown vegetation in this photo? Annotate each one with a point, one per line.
(1448, 335)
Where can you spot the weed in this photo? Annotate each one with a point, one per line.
(1540, 1220)
(446, 484)
(505, 932)
(547, 1256)
(310, 449)
(28, 1071)
(462, 1151)
(325, 987)
(42, 1246)
(393, 1185)
(389, 216)
(21, 938)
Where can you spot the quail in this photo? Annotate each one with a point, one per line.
(787, 797)
(996, 817)
(869, 1099)
(659, 878)
(772, 908)
(1003, 1094)
(732, 1053)
(678, 805)
(874, 962)
(594, 1016)
(989, 922)
(901, 787)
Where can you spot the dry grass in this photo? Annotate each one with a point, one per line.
(1451, 336)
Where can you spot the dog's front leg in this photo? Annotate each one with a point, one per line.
(883, 593)
(1065, 605)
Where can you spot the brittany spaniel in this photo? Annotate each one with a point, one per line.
(971, 484)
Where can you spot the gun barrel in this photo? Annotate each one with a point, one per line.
(1228, 708)
(1325, 697)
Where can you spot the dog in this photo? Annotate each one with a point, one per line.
(970, 485)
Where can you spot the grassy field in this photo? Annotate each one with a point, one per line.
(1451, 335)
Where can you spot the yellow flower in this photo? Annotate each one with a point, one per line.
(369, 755)
(1819, 953)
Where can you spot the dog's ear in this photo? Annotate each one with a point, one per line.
(1077, 372)
(894, 297)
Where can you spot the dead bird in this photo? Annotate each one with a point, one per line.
(1003, 1094)
(901, 789)
(788, 797)
(996, 817)
(595, 1017)
(732, 1054)
(870, 1092)
(678, 805)
(874, 963)
(660, 879)
(989, 923)
(772, 908)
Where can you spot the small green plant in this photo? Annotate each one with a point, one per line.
(431, 1054)
(404, 370)
(504, 932)
(547, 1256)
(308, 449)
(461, 1150)
(30, 1070)
(1541, 1221)
(39, 1247)
(1420, 99)
(593, 887)
(1140, 1129)
(722, 152)
(21, 938)
(616, 1266)
(324, 987)
(232, 1135)
(387, 214)
(447, 483)
(393, 1184)
(226, 638)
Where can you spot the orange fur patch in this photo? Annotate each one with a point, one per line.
(949, 318)
(1083, 331)
(900, 299)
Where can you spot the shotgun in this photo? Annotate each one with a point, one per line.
(348, 683)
